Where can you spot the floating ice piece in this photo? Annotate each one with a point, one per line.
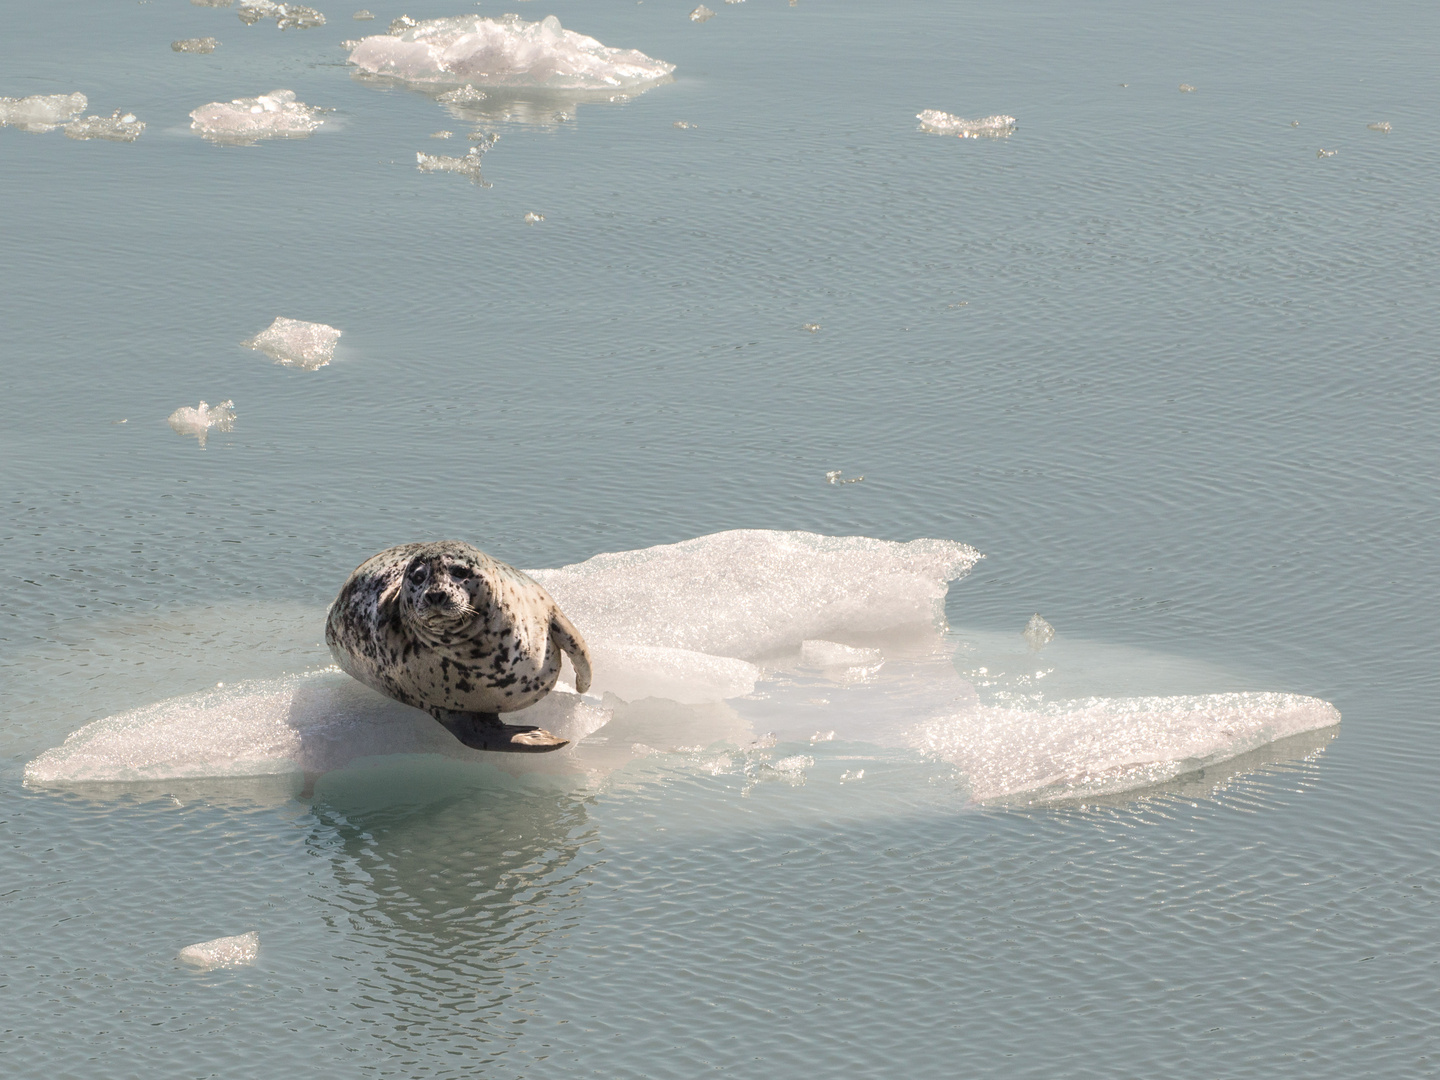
(286, 16)
(635, 672)
(942, 123)
(1326, 153)
(399, 25)
(701, 13)
(212, 3)
(442, 134)
(684, 125)
(1379, 125)
(202, 419)
(225, 952)
(837, 476)
(306, 345)
(532, 218)
(463, 95)
(362, 15)
(734, 1)
(274, 727)
(1038, 632)
(195, 45)
(118, 127)
(1186, 88)
(507, 52)
(1072, 749)
(759, 590)
(812, 327)
(468, 165)
(1294, 123)
(276, 115)
(41, 112)
(819, 653)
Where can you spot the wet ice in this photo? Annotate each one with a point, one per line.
(225, 952)
(203, 419)
(936, 122)
(244, 121)
(117, 127)
(41, 112)
(297, 343)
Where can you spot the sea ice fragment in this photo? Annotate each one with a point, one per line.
(201, 420)
(506, 52)
(276, 115)
(296, 343)
(225, 952)
(41, 112)
(1186, 88)
(812, 327)
(286, 16)
(118, 127)
(468, 165)
(936, 122)
(1326, 153)
(462, 95)
(195, 45)
(837, 476)
(684, 125)
(1038, 632)
(532, 218)
(212, 3)
(1379, 125)
(442, 134)
(362, 15)
(701, 13)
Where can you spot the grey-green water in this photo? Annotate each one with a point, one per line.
(1171, 371)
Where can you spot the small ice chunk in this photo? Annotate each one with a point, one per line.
(306, 345)
(212, 3)
(812, 327)
(117, 127)
(441, 134)
(362, 15)
(1038, 632)
(195, 45)
(1186, 88)
(701, 13)
(837, 476)
(734, 1)
(400, 25)
(684, 125)
(225, 952)
(936, 122)
(464, 95)
(507, 52)
(822, 736)
(286, 16)
(1379, 125)
(41, 112)
(1326, 153)
(1294, 123)
(532, 218)
(858, 774)
(818, 653)
(276, 115)
(201, 420)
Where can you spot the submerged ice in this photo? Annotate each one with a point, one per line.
(296, 343)
(225, 952)
(936, 122)
(720, 649)
(506, 52)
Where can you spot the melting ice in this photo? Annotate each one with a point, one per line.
(200, 421)
(831, 644)
(41, 112)
(286, 16)
(942, 123)
(224, 952)
(118, 127)
(507, 52)
(195, 45)
(276, 115)
(296, 343)
(467, 165)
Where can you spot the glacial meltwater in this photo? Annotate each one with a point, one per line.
(990, 452)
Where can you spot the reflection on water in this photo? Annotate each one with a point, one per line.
(461, 894)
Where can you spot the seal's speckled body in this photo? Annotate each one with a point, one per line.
(446, 628)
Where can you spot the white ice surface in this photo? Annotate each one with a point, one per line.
(297, 343)
(41, 112)
(508, 52)
(118, 127)
(276, 115)
(700, 647)
(225, 952)
(200, 421)
(286, 16)
(942, 123)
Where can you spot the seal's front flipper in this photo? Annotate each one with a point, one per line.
(484, 731)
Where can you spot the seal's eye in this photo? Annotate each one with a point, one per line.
(460, 573)
(419, 572)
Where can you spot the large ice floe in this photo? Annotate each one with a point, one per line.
(245, 121)
(505, 52)
(41, 112)
(936, 122)
(740, 646)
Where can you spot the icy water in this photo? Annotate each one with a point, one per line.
(1158, 355)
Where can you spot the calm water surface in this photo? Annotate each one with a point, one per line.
(1172, 371)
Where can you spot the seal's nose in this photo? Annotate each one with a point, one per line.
(437, 597)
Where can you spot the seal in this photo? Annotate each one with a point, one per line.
(448, 629)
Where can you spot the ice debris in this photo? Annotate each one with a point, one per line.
(442, 134)
(936, 122)
(212, 3)
(468, 165)
(41, 112)
(117, 127)
(201, 420)
(1186, 88)
(1380, 125)
(286, 16)
(463, 95)
(195, 45)
(295, 343)
(1038, 632)
(505, 52)
(1326, 153)
(701, 13)
(225, 952)
(244, 121)
(811, 327)
(532, 218)
(837, 476)
(362, 15)
(684, 125)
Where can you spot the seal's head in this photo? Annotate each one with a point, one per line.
(441, 587)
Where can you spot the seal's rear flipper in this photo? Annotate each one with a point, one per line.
(484, 731)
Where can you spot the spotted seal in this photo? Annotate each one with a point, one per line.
(448, 629)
